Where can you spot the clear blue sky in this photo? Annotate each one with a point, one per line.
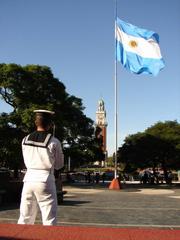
(75, 38)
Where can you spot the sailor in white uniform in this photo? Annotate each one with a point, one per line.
(42, 153)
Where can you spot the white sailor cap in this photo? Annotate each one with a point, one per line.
(46, 112)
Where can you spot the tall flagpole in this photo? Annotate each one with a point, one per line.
(116, 97)
(115, 183)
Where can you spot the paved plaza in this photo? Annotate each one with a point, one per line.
(134, 205)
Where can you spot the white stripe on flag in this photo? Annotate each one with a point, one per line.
(140, 46)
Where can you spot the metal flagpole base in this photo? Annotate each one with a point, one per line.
(115, 184)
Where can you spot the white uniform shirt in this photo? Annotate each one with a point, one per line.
(41, 156)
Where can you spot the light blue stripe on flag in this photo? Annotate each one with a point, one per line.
(136, 31)
(137, 49)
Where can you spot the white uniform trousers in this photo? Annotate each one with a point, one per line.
(38, 195)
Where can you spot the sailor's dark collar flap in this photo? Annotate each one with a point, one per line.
(41, 141)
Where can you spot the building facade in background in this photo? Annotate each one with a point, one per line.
(101, 123)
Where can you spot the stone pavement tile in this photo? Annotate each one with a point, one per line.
(99, 206)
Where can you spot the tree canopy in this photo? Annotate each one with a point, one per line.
(26, 88)
(157, 147)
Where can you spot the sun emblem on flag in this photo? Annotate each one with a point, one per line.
(133, 44)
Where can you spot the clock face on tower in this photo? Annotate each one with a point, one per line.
(101, 114)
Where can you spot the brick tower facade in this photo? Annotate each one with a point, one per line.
(102, 124)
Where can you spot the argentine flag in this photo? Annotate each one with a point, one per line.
(138, 49)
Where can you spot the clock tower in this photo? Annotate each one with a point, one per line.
(102, 124)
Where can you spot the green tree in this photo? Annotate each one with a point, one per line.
(10, 142)
(169, 144)
(30, 87)
(158, 146)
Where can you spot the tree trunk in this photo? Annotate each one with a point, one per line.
(16, 173)
(165, 172)
(155, 174)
